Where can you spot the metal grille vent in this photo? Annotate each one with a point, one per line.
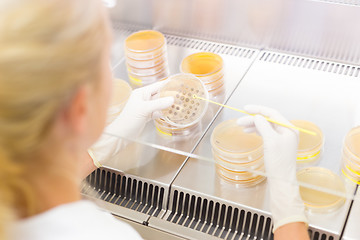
(314, 235)
(210, 46)
(347, 2)
(126, 192)
(218, 219)
(313, 64)
(127, 28)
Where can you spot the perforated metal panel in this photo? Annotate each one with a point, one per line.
(128, 192)
(313, 64)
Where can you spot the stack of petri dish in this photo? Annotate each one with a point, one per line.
(146, 57)
(184, 116)
(351, 155)
(237, 154)
(121, 92)
(320, 189)
(310, 147)
(208, 67)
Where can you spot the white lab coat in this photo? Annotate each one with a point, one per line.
(81, 220)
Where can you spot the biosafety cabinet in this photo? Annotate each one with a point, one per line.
(299, 57)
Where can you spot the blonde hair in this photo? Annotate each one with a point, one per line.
(47, 49)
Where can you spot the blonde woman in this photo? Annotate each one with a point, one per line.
(54, 90)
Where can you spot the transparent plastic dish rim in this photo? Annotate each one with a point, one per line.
(205, 102)
(204, 74)
(147, 50)
(328, 173)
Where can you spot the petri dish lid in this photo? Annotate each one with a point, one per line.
(317, 200)
(352, 142)
(121, 91)
(230, 137)
(144, 41)
(202, 64)
(308, 142)
(186, 110)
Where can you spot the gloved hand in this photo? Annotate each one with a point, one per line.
(280, 150)
(139, 109)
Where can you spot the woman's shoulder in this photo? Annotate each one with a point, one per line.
(77, 220)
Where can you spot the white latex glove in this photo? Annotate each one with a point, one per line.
(280, 150)
(139, 109)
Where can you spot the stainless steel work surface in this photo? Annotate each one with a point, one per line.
(352, 231)
(322, 92)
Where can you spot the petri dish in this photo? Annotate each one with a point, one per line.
(349, 172)
(218, 91)
(145, 80)
(147, 63)
(316, 200)
(250, 182)
(147, 71)
(229, 139)
(121, 92)
(310, 147)
(239, 158)
(165, 129)
(202, 64)
(239, 166)
(214, 85)
(186, 110)
(146, 44)
(352, 144)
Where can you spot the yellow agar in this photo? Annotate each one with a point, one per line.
(144, 41)
(202, 63)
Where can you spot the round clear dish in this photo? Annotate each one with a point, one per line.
(186, 110)
(250, 182)
(327, 189)
(205, 65)
(147, 71)
(214, 85)
(166, 129)
(144, 45)
(239, 175)
(229, 139)
(147, 63)
(215, 92)
(145, 80)
(352, 143)
(121, 92)
(238, 158)
(349, 173)
(253, 165)
(310, 147)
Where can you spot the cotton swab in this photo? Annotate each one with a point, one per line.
(268, 119)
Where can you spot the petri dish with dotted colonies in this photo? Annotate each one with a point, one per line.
(322, 178)
(186, 109)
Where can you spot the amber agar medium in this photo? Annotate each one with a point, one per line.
(310, 146)
(351, 155)
(121, 92)
(238, 155)
(321, 178)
